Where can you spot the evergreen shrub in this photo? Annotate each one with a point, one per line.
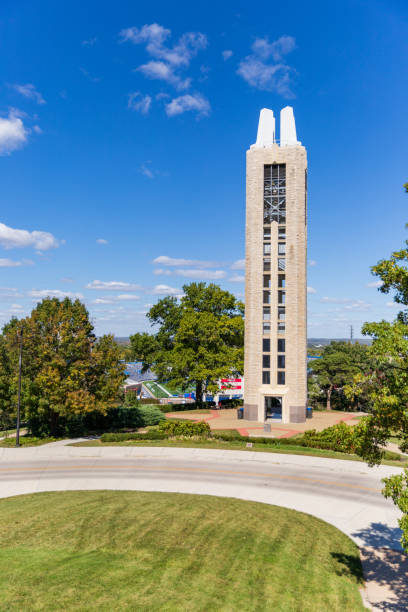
(185, 428)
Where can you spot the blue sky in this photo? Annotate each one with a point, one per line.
(123, 130)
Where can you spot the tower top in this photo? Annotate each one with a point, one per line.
(266, 129)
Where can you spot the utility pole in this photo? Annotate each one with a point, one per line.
(351, 334)
(20, 360)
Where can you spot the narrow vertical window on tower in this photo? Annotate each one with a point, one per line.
(274, 197)
(275, 194)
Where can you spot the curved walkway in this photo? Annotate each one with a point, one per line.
(344, 493)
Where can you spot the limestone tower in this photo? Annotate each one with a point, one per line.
(275, 287)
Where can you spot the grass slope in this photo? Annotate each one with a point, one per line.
(287, 449)
(128, 550)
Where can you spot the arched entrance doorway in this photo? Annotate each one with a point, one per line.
(273, 408)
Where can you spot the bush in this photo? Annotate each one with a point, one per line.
(340, 437)
(151, 415)
(228, 436)
(185, 428)
(118, 417)
(121, 437)
(181, 407)
(232, 403)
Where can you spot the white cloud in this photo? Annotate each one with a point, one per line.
(311, 290)
(201, 274)
(89, 76)
(146, 171)
(154, 37)
(334, 300)
(29, 91)
(168, 60)
(189, 102)
(162, 272)
(112, 286)
(67, 279)
(277, 49)
(37, 129)
(358, 305)
(124, 297)
(10, 263)
(16, 307)
(163, 72)
(238, 265)
(258, 70)
(138, 102)
(44, 293)
(90, 42)
(13, 134)
(347, 304)
(165, 290)
(377, 284)
(164, 260)
(227, 54)
(312, 262)
(236, 278)
(10, 292)
(393, 305)
(11, 238)
(162, 95)
(102, 241)
(195, 273)
(103, 301)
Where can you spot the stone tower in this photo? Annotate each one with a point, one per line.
(275, 287)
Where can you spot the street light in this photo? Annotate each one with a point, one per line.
(20, 359)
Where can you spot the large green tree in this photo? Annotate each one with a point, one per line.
(334, 369)
(67, 372)
(6, 404)
(387, 382)
(198, 339)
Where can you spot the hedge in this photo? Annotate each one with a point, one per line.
(121, 437)
(185, 428)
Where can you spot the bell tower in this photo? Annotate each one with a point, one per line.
(275, 286)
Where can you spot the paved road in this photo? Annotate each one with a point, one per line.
(344, 493)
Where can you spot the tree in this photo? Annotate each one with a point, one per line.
(67, 372)
(338, 363)
(387, 382)
(6, 405)
(199, 338)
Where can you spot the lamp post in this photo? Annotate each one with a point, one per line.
(20, 359)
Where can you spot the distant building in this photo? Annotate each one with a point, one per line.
(134, 371)
(275, 294)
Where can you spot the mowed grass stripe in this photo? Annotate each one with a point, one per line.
(126, 550)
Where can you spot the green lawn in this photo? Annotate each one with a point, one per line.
(155, 389)
(194, 411)
(128, 550)
(26, 441)
(287, 449)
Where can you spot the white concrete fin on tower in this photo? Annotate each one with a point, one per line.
(266, 129)
(287, 128)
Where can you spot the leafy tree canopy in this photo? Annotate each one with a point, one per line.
(198, 339)
(387, 382)
(66, 371)
(338, 364)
